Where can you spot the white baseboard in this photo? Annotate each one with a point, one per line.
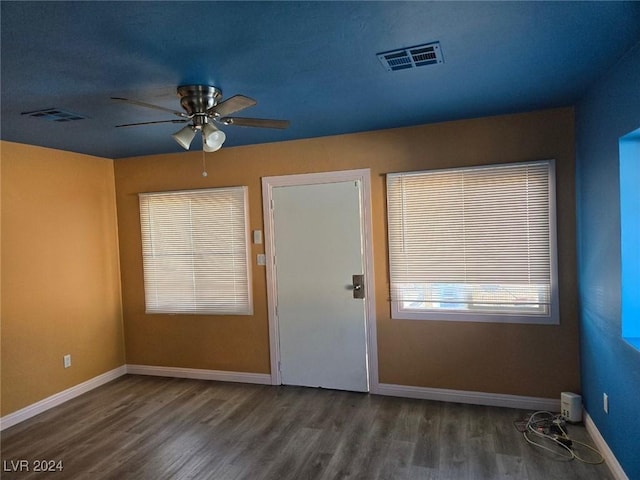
(200, 374)
(424, 393)
(609, 458)
(463, 396)
(59, 398)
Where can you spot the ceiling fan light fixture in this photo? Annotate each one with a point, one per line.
(213, 141)
(212, 138)
(184, 136)
(208, 129)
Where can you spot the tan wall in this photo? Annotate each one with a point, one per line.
(60, 272)
(513, 359)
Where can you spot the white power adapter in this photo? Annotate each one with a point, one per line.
(571, 407)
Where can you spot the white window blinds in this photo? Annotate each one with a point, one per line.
(196, 252)
(473, 243)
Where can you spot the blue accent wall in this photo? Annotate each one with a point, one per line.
(609, 110)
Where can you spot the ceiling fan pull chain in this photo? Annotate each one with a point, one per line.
(204, 165)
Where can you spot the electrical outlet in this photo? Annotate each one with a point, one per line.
(605, 402)
(67, 361)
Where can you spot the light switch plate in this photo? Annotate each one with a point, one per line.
(257, 237)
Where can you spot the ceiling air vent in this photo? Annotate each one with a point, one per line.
(418, 56)
(54, 115)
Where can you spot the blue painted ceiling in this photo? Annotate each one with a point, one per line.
(313, 63)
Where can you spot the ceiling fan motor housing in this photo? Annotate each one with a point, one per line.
(198, 99)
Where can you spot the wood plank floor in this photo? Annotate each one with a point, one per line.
(155, 428)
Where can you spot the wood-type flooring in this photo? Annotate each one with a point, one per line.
(154, 428)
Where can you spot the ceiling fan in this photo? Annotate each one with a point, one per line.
(202, 108)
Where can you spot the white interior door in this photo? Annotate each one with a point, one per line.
(318, 247)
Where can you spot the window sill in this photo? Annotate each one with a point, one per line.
(398, 314)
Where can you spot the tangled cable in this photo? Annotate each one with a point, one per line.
(550, 427)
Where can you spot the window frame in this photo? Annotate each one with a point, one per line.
(551, 317)
(245, 308)
(629, 172)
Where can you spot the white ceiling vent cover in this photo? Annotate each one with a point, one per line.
(418, 56)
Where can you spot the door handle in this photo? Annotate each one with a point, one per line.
(358, 286)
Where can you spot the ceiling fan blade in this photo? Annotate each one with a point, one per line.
(255, 122)
(232, 105)
(149, 105)
(149, 123)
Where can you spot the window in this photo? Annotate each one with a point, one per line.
(474, 244)
(630, 236)
(195, 252)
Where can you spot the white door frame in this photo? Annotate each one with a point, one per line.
(364, 177)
